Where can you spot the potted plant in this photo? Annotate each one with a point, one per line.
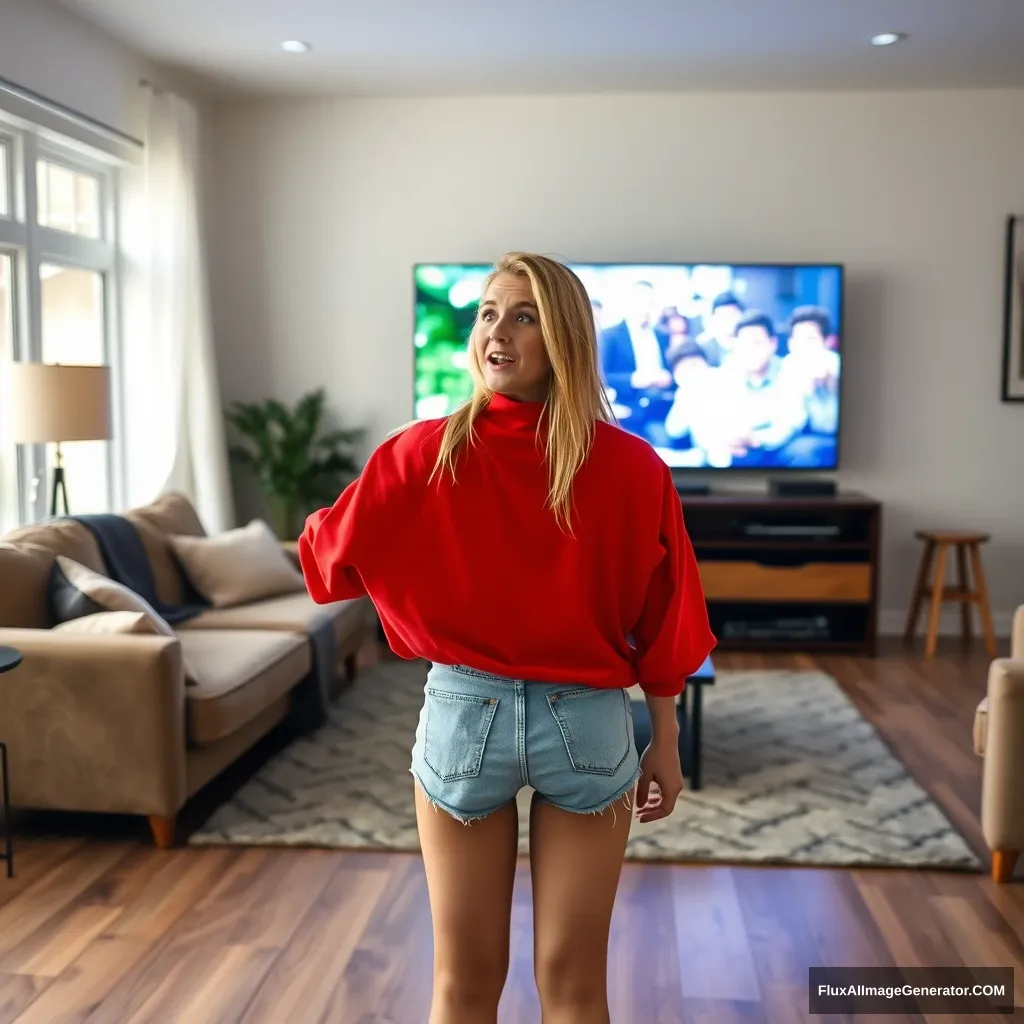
(299, 463)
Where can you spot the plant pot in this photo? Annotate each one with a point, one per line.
(282, 519)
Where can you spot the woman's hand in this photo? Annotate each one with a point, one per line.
(661, 780)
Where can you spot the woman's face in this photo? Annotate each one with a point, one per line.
(508, 341)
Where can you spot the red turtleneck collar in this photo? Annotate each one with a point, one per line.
(510, 412)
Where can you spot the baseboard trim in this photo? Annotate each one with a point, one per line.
(893, 622)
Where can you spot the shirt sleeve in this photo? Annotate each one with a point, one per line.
(339, 543)
(673, 636)
(328, 549)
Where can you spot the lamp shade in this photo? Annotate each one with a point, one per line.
(51, 402)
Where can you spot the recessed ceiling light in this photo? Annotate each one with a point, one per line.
(295, 46)
(887, 38)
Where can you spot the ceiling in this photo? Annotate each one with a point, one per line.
(383, 47)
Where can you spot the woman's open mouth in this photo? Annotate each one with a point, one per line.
(500, 361)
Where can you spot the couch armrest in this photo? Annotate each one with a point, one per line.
(1017, 635)
(1002, 799)
(95, 722)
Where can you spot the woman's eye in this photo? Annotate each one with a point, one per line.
(526, 318)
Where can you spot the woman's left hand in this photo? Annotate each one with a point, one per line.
(661, 780)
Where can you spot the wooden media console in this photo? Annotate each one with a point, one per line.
(784, 573)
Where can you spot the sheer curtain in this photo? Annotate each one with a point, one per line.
(174, 424)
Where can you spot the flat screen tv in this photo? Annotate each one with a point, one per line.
(718, 366)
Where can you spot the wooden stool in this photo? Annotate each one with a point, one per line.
(938, 542)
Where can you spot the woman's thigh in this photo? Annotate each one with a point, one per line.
(575, 862)
(467, 773)
(470, 871)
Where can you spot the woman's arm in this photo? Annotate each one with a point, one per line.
(341, 543)
(664, 719)
(673, 636)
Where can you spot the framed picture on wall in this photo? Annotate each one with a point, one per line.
(1013, 337)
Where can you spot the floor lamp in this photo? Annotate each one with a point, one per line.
(55, 403)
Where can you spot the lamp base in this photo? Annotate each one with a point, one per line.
(60, 488)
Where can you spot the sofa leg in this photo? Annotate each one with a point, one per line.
(1003, 863)
(163, 831)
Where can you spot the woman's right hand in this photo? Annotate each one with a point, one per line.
(661, 780)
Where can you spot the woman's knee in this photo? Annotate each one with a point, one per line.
(571, 977)
(471, 986)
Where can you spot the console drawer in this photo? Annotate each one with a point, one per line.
(811, 581)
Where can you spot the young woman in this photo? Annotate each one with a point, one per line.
(535, 554)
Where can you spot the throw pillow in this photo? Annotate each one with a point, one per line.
(77, 593)
(109, 622)
(238, 566)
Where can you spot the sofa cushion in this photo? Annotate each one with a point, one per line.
(62, 537)
(171, 513)
(238, 674)
(109, 623)
(25, 571)
(167, 574)
(981, 726)
(294, 613)
(238, 566)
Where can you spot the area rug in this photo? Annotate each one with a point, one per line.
(793, 774)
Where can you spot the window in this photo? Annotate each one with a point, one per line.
(9, 496)
(59, 288)
(5, 181)
(74, 332)
(68, 200)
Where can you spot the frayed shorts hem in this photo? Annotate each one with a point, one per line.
(601, 807)
(466, 819)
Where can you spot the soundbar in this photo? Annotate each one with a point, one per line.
(802, 488)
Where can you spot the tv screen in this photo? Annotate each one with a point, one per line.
(718, 366)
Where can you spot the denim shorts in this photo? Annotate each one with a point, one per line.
(482, 738)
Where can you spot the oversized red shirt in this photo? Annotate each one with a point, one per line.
(479, 573)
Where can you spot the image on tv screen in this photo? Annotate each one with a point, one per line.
(717, 366)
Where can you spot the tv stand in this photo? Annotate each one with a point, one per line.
(788, 573)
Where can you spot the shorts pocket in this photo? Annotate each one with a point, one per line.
(455, 733)
(596, 725)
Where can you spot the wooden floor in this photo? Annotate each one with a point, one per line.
(99, 927)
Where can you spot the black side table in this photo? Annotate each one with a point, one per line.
(9, 658)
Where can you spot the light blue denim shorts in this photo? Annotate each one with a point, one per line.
(482, 738)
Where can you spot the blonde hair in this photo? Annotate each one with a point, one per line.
(576, 398)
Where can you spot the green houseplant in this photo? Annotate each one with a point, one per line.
(299, 463)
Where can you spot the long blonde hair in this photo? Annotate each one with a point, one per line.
(576, 398)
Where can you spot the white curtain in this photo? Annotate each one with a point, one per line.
(174, 423)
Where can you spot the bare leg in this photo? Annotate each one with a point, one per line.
(470, 872)
(576, 861)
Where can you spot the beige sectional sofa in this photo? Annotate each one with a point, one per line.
(999, 739)
(112, 722)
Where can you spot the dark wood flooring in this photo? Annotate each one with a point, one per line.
(100, 927)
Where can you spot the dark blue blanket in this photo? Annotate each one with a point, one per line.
(128, 564)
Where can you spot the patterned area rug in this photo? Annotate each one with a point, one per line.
(793, 774)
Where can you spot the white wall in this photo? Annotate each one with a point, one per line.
(322, 206)
(47, 49)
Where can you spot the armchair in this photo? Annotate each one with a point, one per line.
(999, 739)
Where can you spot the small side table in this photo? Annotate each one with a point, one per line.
(9, 659)
(937, 546)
